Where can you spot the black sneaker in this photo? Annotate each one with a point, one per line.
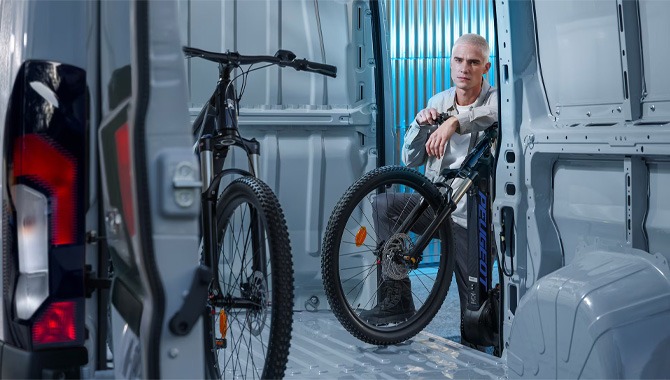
(396, 303)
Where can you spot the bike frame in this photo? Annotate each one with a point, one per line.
(218, 124)
(480, 324)
(478, 160)
(220, 115)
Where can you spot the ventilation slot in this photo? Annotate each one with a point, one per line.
(360, 12)
(512, 298)
(625, 85)
(600, 124)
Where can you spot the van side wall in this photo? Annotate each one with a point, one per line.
(585, 119)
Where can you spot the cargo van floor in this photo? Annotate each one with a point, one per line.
(321, 347)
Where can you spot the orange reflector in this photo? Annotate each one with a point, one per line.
(223, 323)
(360, 236)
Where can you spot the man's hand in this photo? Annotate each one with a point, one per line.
(426, 116)
(438, 139)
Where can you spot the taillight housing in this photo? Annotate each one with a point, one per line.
(45, 153)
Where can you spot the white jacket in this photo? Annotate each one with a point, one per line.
(482, 113)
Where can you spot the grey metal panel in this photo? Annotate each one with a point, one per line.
(589, 203)
(263, 27)
(114, 49)
(580, 59)
(636, 202)
(40, 41)
(174, 223)
(544, 232)
(583, 321)
(658, 218)
(655, 55)
(10, 27)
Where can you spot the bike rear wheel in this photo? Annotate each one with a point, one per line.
(360, 256)
(251, 309)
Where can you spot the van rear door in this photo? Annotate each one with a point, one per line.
(151, 225)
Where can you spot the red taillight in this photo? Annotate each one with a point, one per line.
(123, 155)
(45, 147)
(57, 324)
(39, 159)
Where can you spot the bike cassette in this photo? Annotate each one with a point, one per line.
(395, 259)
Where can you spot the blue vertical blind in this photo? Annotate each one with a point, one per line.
(422, 33)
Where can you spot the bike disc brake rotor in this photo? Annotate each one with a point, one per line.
(393, 262)
(257, 292)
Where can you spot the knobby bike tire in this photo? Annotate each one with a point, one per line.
(244, 194)
(389, 177)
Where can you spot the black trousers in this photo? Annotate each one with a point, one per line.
(391, 209)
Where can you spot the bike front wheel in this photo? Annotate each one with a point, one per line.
(251, 304)
(374, 291)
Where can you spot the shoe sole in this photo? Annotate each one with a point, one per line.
(390, 319)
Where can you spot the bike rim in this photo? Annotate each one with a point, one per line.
(360, 264)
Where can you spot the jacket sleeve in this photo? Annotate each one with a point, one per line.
(414, 146)
(479, 118)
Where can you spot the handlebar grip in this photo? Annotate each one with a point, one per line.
(319, 68)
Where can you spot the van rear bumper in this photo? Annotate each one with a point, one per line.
(16, 363)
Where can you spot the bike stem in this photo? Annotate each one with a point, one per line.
(226, 104)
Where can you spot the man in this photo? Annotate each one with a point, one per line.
(473, 106)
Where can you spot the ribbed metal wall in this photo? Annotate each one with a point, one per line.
(422, 33)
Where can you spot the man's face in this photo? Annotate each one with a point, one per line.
(468, 64)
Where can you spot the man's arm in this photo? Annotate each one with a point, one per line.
(479, 118)
(413, 149)
(475, 120)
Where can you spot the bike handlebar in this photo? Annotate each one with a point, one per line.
(282, 58)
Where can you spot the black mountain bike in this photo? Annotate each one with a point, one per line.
(247, 277)
(357, 256)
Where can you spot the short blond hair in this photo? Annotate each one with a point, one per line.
(475, 40)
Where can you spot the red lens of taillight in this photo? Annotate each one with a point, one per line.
(38, 158)
(57, 324)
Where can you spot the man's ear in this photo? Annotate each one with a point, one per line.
(488, 66)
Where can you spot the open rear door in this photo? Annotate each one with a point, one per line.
(151, 223)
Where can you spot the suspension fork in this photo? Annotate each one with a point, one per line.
(208, 202)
